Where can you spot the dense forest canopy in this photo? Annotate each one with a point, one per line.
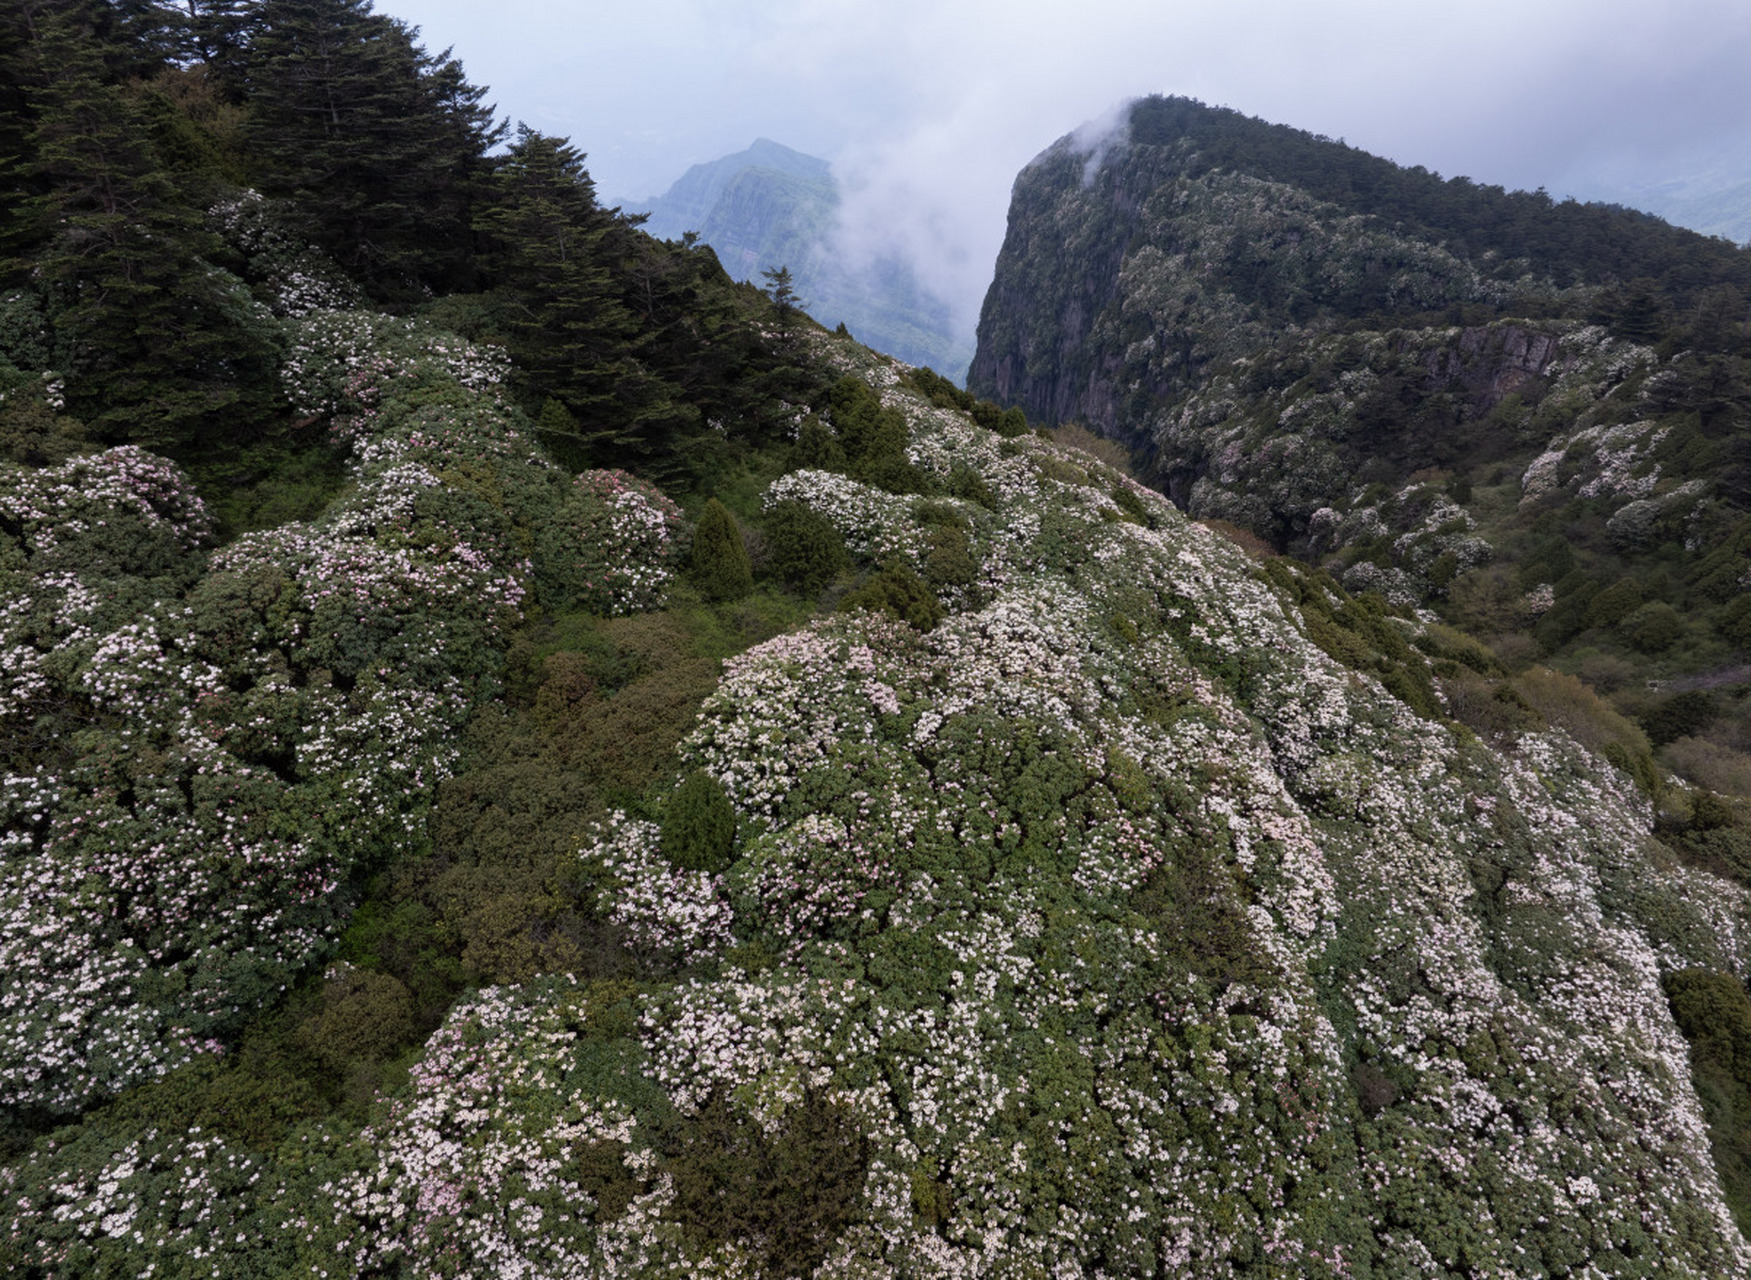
(1568, 240)
(179, 178)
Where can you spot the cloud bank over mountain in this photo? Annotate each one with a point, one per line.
(928, 110)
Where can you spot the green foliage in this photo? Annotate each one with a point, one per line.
(1130, 504)
(382, 146)
(964, 482)
(950, 561)
(787, 1194)
(159, 344)
(33, 433)
(1714, 1013)
(1653, 628)
(364, 1017)
(783, 293)
(873, 438)
(1679, 716)
(719, 564)
(1734, 621)
(1359, 632)
(1444, 644)
(1490, 708)
(1615, 603)
(699, 825)
(939, 390)
(897, 591)
(1198, 902)
(804, 550)
(1009, 423)
(817, 447)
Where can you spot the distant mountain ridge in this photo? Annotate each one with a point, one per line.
(770, 206)
(690, 202)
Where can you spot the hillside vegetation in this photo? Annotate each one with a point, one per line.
(1527, 416)
(563, 767)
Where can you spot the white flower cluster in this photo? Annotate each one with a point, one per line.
(874, 526)
(1129, 934)
(341, 364)
(299, 279)
(616, 545)
(217, 745)
(665, 910)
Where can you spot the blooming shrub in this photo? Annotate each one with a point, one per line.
(614, 547)
(342, 366)
(1134, 933)
(1112, 926)
(297, 278)
(200, 751)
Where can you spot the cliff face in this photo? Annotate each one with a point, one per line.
(1421, 384)
(1122, 283)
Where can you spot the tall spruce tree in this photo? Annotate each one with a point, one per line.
(155, 342)
(558, 261)
(380, 143)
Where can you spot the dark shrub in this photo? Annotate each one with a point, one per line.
(787, 1194)
(950, 561)
(1679, 716)
(803, 548)
(1612, 605)
(896, 590)
(720, 565)
(1653, 628)
(699, 825)
(1734, 621)
(816, 447)
(964, 482)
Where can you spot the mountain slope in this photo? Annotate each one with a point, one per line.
(688, 204)
(877, 839)
(1108, 923)
(1528, 416)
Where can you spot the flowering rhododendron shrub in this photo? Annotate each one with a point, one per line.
(1111, 926)
(297, 278)
(615, 545)
(201, 747)
(343, 365)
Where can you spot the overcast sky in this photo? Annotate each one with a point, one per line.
(928, 108)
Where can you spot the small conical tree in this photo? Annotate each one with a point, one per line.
(720, 560)
(699, 825)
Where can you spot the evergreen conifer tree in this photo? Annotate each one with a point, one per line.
(155, 341)
(380, 142)
(556, 257)
(720, 559)
(699, 825)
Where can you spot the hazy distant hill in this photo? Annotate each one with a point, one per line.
(770, 206)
